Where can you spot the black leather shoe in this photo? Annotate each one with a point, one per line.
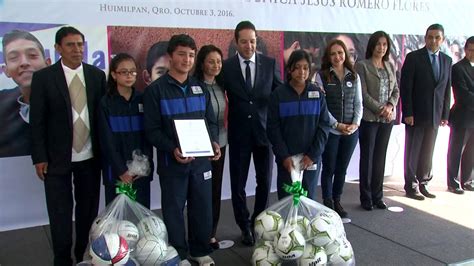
(338, 208)
(247, 237)
(329, 203)
(468, 187)
(456, 190)
(426, 193)
(366, 206)
(380, 205)
(415, 195)
(214, 245)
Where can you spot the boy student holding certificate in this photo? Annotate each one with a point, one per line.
(177, 95)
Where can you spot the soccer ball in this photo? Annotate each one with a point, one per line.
(335, 220)
(153, 225)
(301, 224)
(109, 248)
(267, 225)
(101, 225)
(289, 244)
(150, 250)
(322, 231)
(128, 231)
(313, 255)
(264, 255)
(171, 258)
(343, 254)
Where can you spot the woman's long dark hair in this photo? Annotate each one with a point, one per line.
(326, 60)
(111, 83)
(201, 57)
(374, 38)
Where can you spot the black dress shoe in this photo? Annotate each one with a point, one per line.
(426, 193)
(366, 206)
(456, 190)
(415, 195)
(380, 205)
(214, 245)
(468, 187)
(329, 203)
(247, 237)
(338, 208)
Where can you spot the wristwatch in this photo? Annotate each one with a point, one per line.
(334, 126)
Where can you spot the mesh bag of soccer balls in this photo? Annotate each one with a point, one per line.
(127, 233)
(299, 231)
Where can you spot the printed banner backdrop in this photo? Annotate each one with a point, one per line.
(134, 27)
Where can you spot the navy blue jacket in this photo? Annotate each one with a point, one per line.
(424, 98)
(297, 123)
(121, 131)
(164, 100)
(247, 117)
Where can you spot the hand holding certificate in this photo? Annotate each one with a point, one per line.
(194, 140)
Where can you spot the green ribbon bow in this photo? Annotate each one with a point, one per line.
(297, 190)
(126, 189)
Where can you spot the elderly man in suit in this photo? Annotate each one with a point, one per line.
(63, 119)
(461, 121)
(425, 91)
(249, 78)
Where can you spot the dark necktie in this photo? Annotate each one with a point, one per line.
(248, 76)
(435, 66)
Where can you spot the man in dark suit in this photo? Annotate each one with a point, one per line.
(425, 91)
(63, 121)
(249, 78)
(461, 121)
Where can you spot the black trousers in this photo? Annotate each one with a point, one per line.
(217, 173)
(60, 203)
(419, 147)
(460, 152)
(239, 162)
(373, 142)
(195, 190)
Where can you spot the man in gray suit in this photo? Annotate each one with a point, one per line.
(425, 91)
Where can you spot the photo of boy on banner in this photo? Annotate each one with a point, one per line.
(23, 54)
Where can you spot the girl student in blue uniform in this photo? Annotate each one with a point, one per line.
(122, 131)
(344, 99)
(298, 123)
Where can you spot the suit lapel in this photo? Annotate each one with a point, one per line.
(258, 69)
(61, 84)
(237, 69)
(371, 68)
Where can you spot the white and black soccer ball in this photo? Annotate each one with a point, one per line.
(300, 223)
(267, 225)
(344, 254)
(321, 231)
(150, 250)
(129, 231)
(289, 244)
(152, 225)
(313, 255)
(264, 255)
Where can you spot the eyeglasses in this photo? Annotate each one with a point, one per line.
(127, 72)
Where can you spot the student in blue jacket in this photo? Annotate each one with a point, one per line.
(298, 123)
(121, 129)
(178, 95)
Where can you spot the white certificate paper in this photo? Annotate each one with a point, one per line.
(193, 137)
